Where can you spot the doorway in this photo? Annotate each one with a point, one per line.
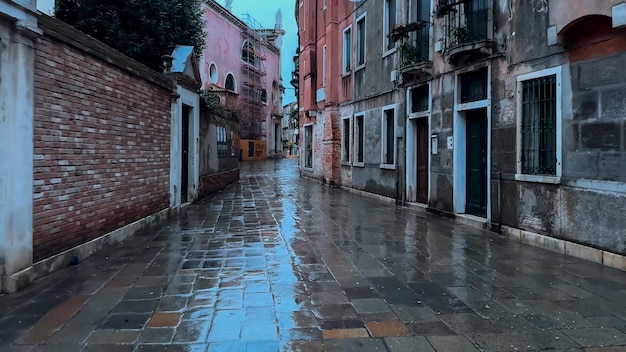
(184, 180)
(422, 160)
(476, 162)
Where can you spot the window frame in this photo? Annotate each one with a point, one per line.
(230, 74)
(387, 27)
(324, 65)
(213, 78)
(358, 140)
(346, 140)
(361, 42)
(306, 142)
(346, 52)
(222, 142)
(409, 99)
(520, 176)
(384, 138)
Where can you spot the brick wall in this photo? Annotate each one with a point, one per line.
(101, 141)
(214, 182)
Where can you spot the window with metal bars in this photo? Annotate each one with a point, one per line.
(474, 86)
(419, 99)
(539, 126)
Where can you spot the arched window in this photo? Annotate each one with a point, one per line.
(264, 95)
(247, 54)
(230, 83)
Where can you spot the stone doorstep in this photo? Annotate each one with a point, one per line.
(25, 277)
(609, 259)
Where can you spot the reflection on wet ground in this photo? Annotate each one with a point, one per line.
(277, 263)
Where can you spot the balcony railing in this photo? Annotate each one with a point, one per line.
(468, 22)
(415, 49)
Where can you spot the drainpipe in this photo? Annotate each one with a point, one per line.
(499, 226)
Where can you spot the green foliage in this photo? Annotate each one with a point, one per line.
(142, 29)
(211, 103)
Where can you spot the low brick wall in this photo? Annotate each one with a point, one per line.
(215, 182)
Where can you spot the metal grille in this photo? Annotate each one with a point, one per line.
(419, 99)
(539, 126)
(474, 86)
(415, 50)
(468, 22)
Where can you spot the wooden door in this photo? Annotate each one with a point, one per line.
(476, 162)
(422, 161)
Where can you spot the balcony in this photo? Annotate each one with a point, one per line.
(415, 61)
(468, 30)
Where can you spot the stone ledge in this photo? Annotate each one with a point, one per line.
(595, 255)
(24, 278)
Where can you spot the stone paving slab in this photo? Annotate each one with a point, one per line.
(277, 263)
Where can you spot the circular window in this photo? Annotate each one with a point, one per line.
(213, 73)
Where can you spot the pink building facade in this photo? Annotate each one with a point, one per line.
(241, 64)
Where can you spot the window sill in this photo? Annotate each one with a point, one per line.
(388, 166)
(358, 164)
(306, 168)
(346, 163)
(555, 180)
(389, 52)
(359, 68)
(346, 74)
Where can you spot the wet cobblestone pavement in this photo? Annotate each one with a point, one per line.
(276, 263)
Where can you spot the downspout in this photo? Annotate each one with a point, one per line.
(499, 225)
(401, 166)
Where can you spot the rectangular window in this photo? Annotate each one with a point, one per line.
(539, 126)
(360, 41)
(345, 141)
(308, 146)
(222, 145)
(324, 66)
(474, 86)
(359, 137)
(388, 136)
(419, 99)
(389, 24)
(347, 49)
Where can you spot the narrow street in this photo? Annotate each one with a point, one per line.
(278, 263)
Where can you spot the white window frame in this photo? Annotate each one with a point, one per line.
(386, 39)
(356, 139)
(346, 158)
(346, 62)
(358, 45)
(234, 90)
(383, 137)
(519, 176)
(409, 100)
(324, 59)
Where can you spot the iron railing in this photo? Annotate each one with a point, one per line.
(468, 22)
(416, 48)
